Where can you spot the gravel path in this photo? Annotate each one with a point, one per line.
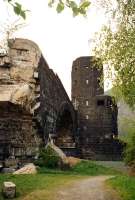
(92, 188)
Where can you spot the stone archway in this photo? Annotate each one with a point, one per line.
(65, 129)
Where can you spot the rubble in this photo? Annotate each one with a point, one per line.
(27, 169)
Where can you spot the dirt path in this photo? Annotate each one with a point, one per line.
(92, 188)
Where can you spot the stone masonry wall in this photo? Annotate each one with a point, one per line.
(97, 113)
(18, 135)
(54, 104)
(33, 102)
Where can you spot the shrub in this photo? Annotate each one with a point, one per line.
(48, 158)
(130, 150)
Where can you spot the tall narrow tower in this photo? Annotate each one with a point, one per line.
(86, 75)
(97, 116)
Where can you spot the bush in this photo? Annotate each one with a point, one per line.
(48, 158)
(130, 151)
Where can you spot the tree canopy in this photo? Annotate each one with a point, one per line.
(60, 5)
(116, 47)
(77, 8)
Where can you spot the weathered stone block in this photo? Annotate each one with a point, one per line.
(27, 169)
(9, 190)
(36, 75)
(8, 170)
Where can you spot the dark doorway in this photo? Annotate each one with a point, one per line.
(64, 130)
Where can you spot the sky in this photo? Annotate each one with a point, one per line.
(61, 37)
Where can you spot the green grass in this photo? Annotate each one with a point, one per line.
(92, 169)
(125, 186)
(33, 184)
(43, 185)
(86, 168)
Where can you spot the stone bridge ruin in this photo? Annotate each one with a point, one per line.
(34, 105)
(97, 112)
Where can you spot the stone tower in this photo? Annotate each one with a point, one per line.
(97, 113)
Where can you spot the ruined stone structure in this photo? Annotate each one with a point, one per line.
(97, 113)
(34, 106)
(33, 103)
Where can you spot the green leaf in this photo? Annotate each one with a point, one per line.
(75, 11)
(51, 2)
(60, 7)
(85, 4)
(23, 14)
(17, 10)
(82, 11)
(18, 5)
(72, 4)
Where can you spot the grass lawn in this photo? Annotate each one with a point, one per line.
(125, 186)
(42, 186)
(38, 186)
(87, 168)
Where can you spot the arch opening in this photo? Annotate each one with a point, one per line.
(65, 131)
